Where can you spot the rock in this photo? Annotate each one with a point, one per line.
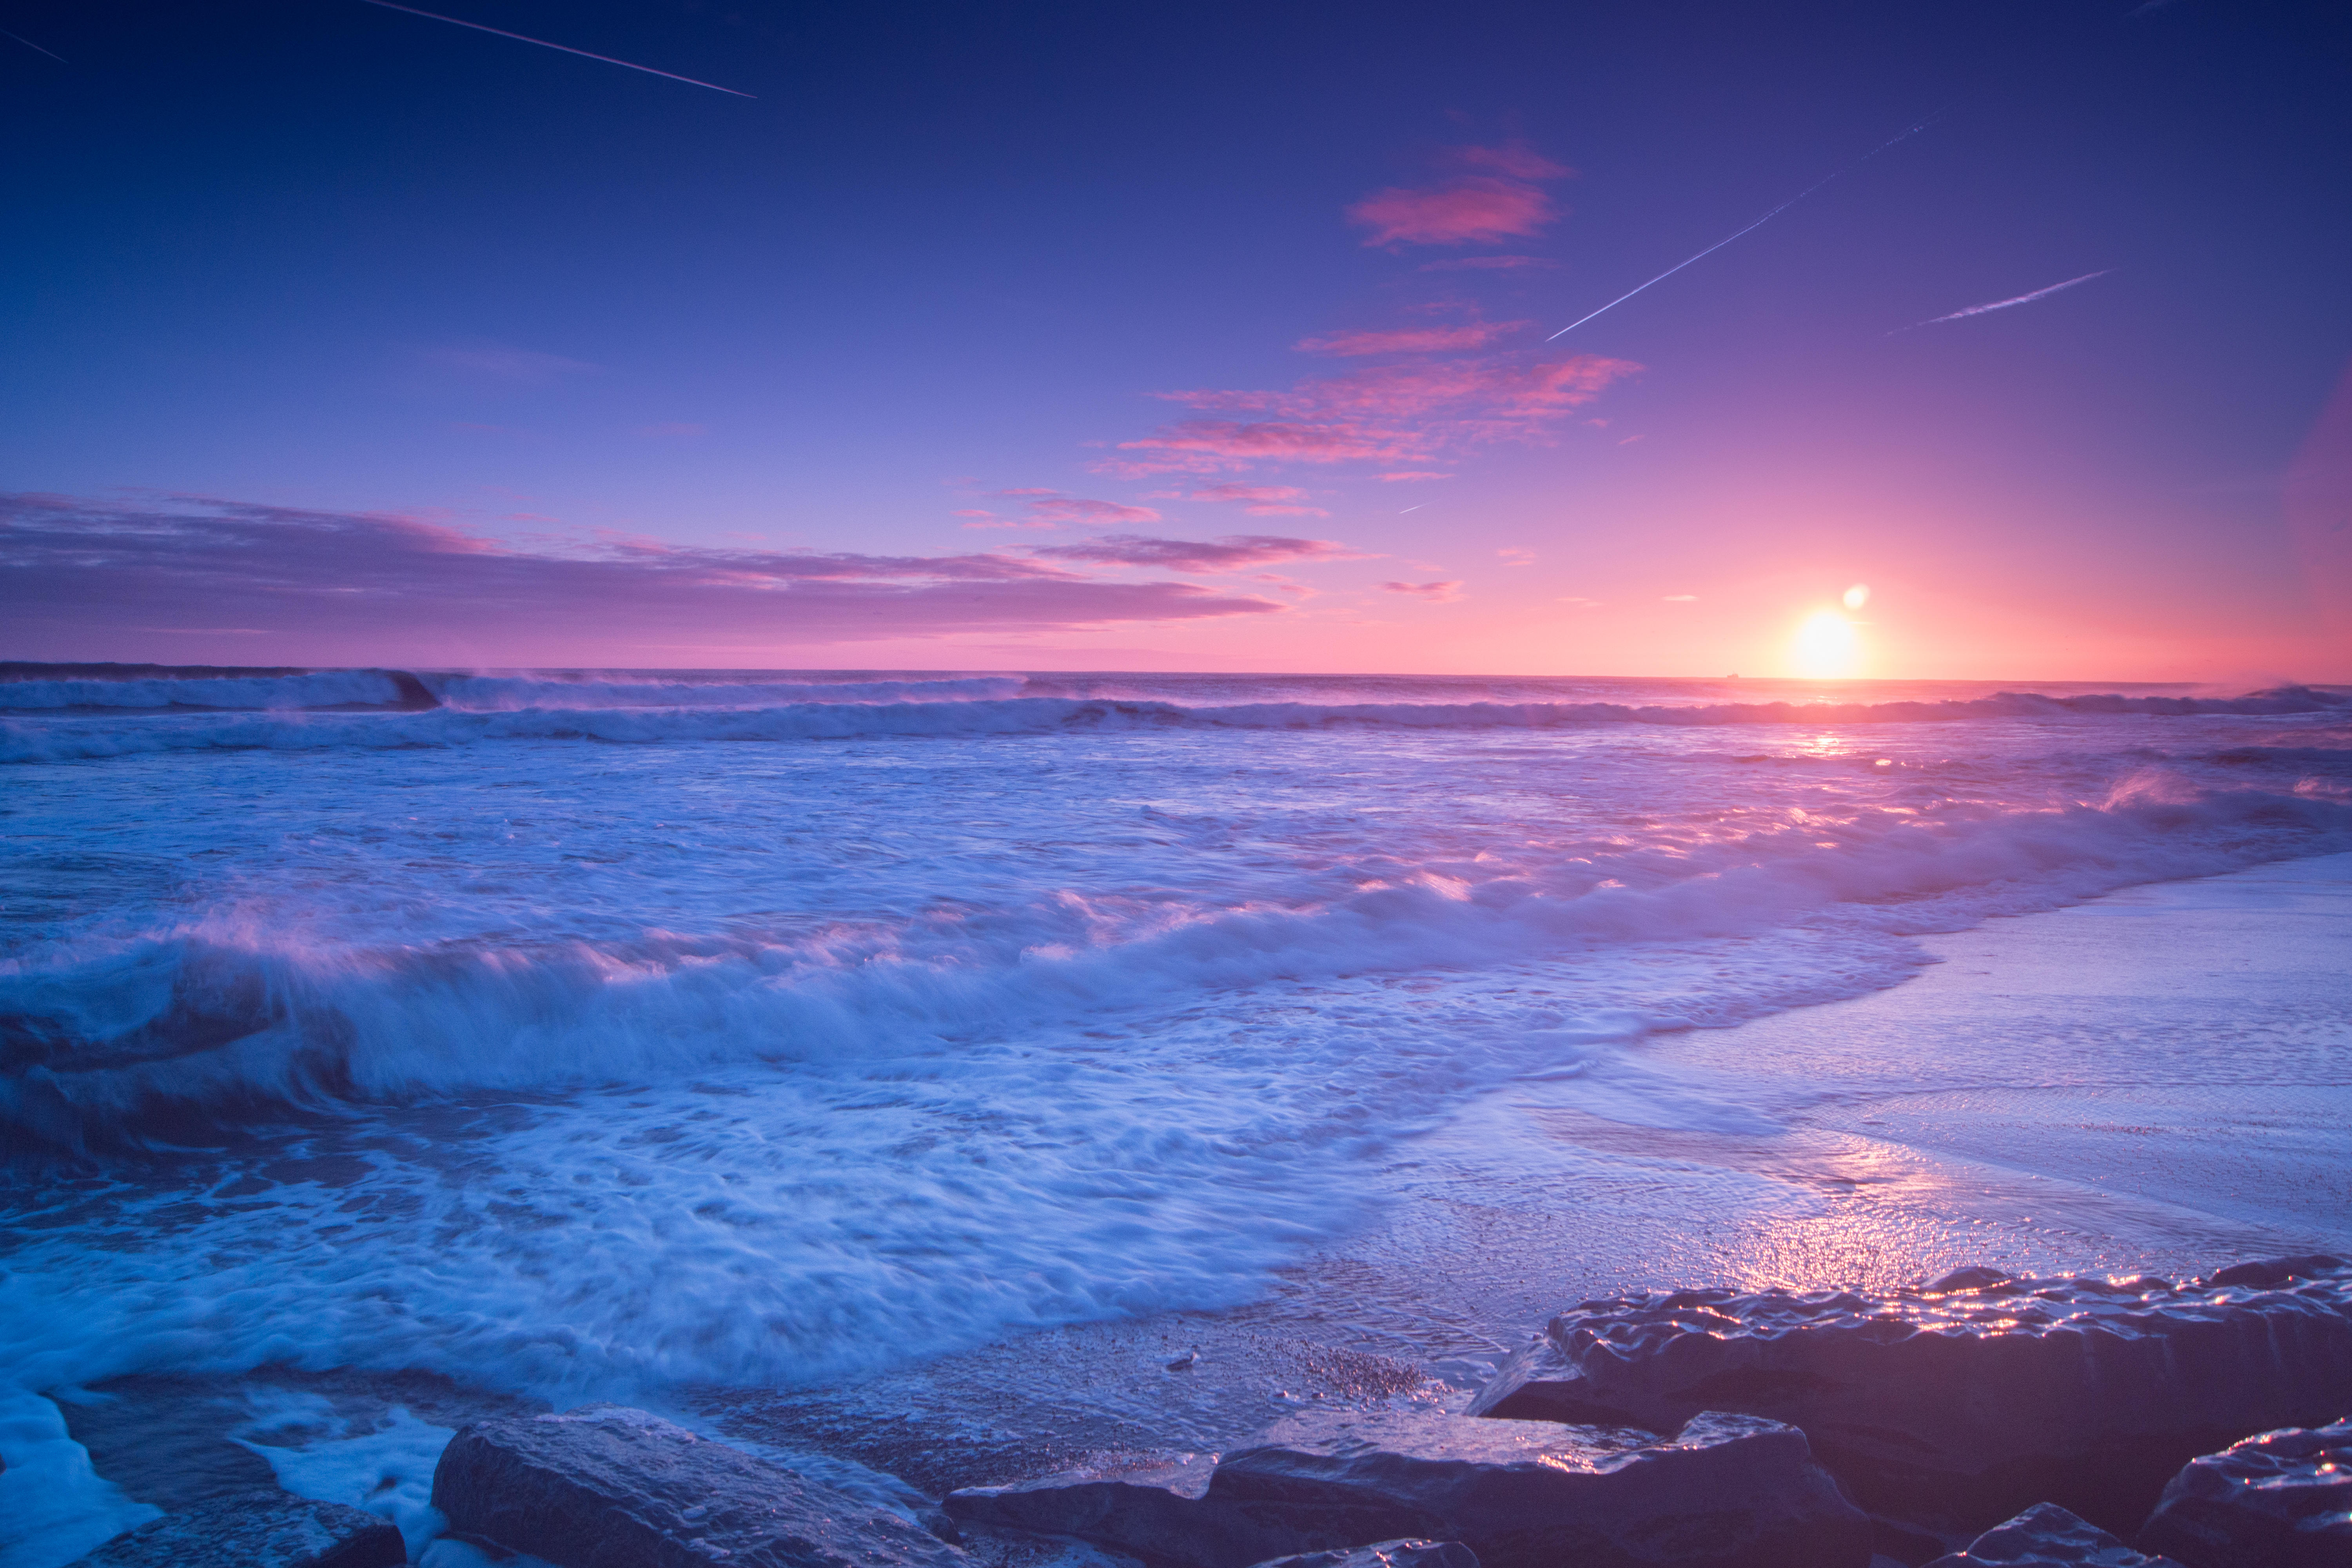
(607, 1486)
(1151, 1509)
(1385, 1555)
(264, 1528)
(1727, 1492)
(2281, 1499)
(1962, 1405)
(2047, 1536)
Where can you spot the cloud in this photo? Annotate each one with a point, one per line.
(341, 587)
(1050, 507)
(1497, 199)
(1382, 414)
(1261, 500)
(1435, 593)
(1234, 552)
(1492, 396)
(1411, 341)
(502, 362)
(1208, 445)
(1411, 476)
(1515, 159)
(1681, 598)
(1513, 556)
(1485, 263)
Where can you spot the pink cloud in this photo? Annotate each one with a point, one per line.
(1380, 413)
(1206, 445)
(1499, 201)
(90, 580)
(1050, 507)
(1516, 557)
(1262, 501)
(1422, 340)
(1515, 159)
(1409, 476)
(1495, 386)
(1234, 552)
(1474, 211)
(1435, 593)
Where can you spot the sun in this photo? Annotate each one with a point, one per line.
(1827, 647)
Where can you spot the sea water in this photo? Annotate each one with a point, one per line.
(589, 1034)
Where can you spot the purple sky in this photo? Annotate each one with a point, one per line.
(1065, 337)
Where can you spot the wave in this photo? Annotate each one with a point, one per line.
(165, 690)
(473, 714)
(154, 1035)
(510, 693)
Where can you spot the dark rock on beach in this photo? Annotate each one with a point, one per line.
(1963, 1402)
(2281, 1499)
(1727, 1492)
(264, 1528)
(2047, 1536)
(1385, 1555)
(607, 1487)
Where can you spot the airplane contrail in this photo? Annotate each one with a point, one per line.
(2005, 304)
(1752, 228)
(1414, 507)
(36, 48)
(543, 43)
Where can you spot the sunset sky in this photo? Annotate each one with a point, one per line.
(1202, 337)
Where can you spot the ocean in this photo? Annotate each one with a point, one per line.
(599, 1035)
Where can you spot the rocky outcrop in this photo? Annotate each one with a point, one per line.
(607, 1487)
(264, 1528)
(2281, 1499)
(2047, 1536)
(1970, 1400)
(1386, 1554)
(1726, 1491)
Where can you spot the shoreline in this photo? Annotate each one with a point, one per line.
(1717, 1157)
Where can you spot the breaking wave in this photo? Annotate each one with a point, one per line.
(143, 1035)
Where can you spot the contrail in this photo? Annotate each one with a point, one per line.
(1752, 228)
(36, 48)
(1414, 507)
(543, 44)
(2005, 304)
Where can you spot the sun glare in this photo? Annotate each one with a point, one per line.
(1827, 647)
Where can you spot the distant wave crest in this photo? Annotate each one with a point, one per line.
(65, 719)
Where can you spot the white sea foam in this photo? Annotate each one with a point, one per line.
(53, 1507)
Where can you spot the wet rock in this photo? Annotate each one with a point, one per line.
(607, 1486)
(2281, 1499)
(264, 1528)
(1964, 1402)
(2047, 1536)
(1726, 1491)
(1386, 1554)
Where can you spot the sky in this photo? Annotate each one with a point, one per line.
(1057, 337)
